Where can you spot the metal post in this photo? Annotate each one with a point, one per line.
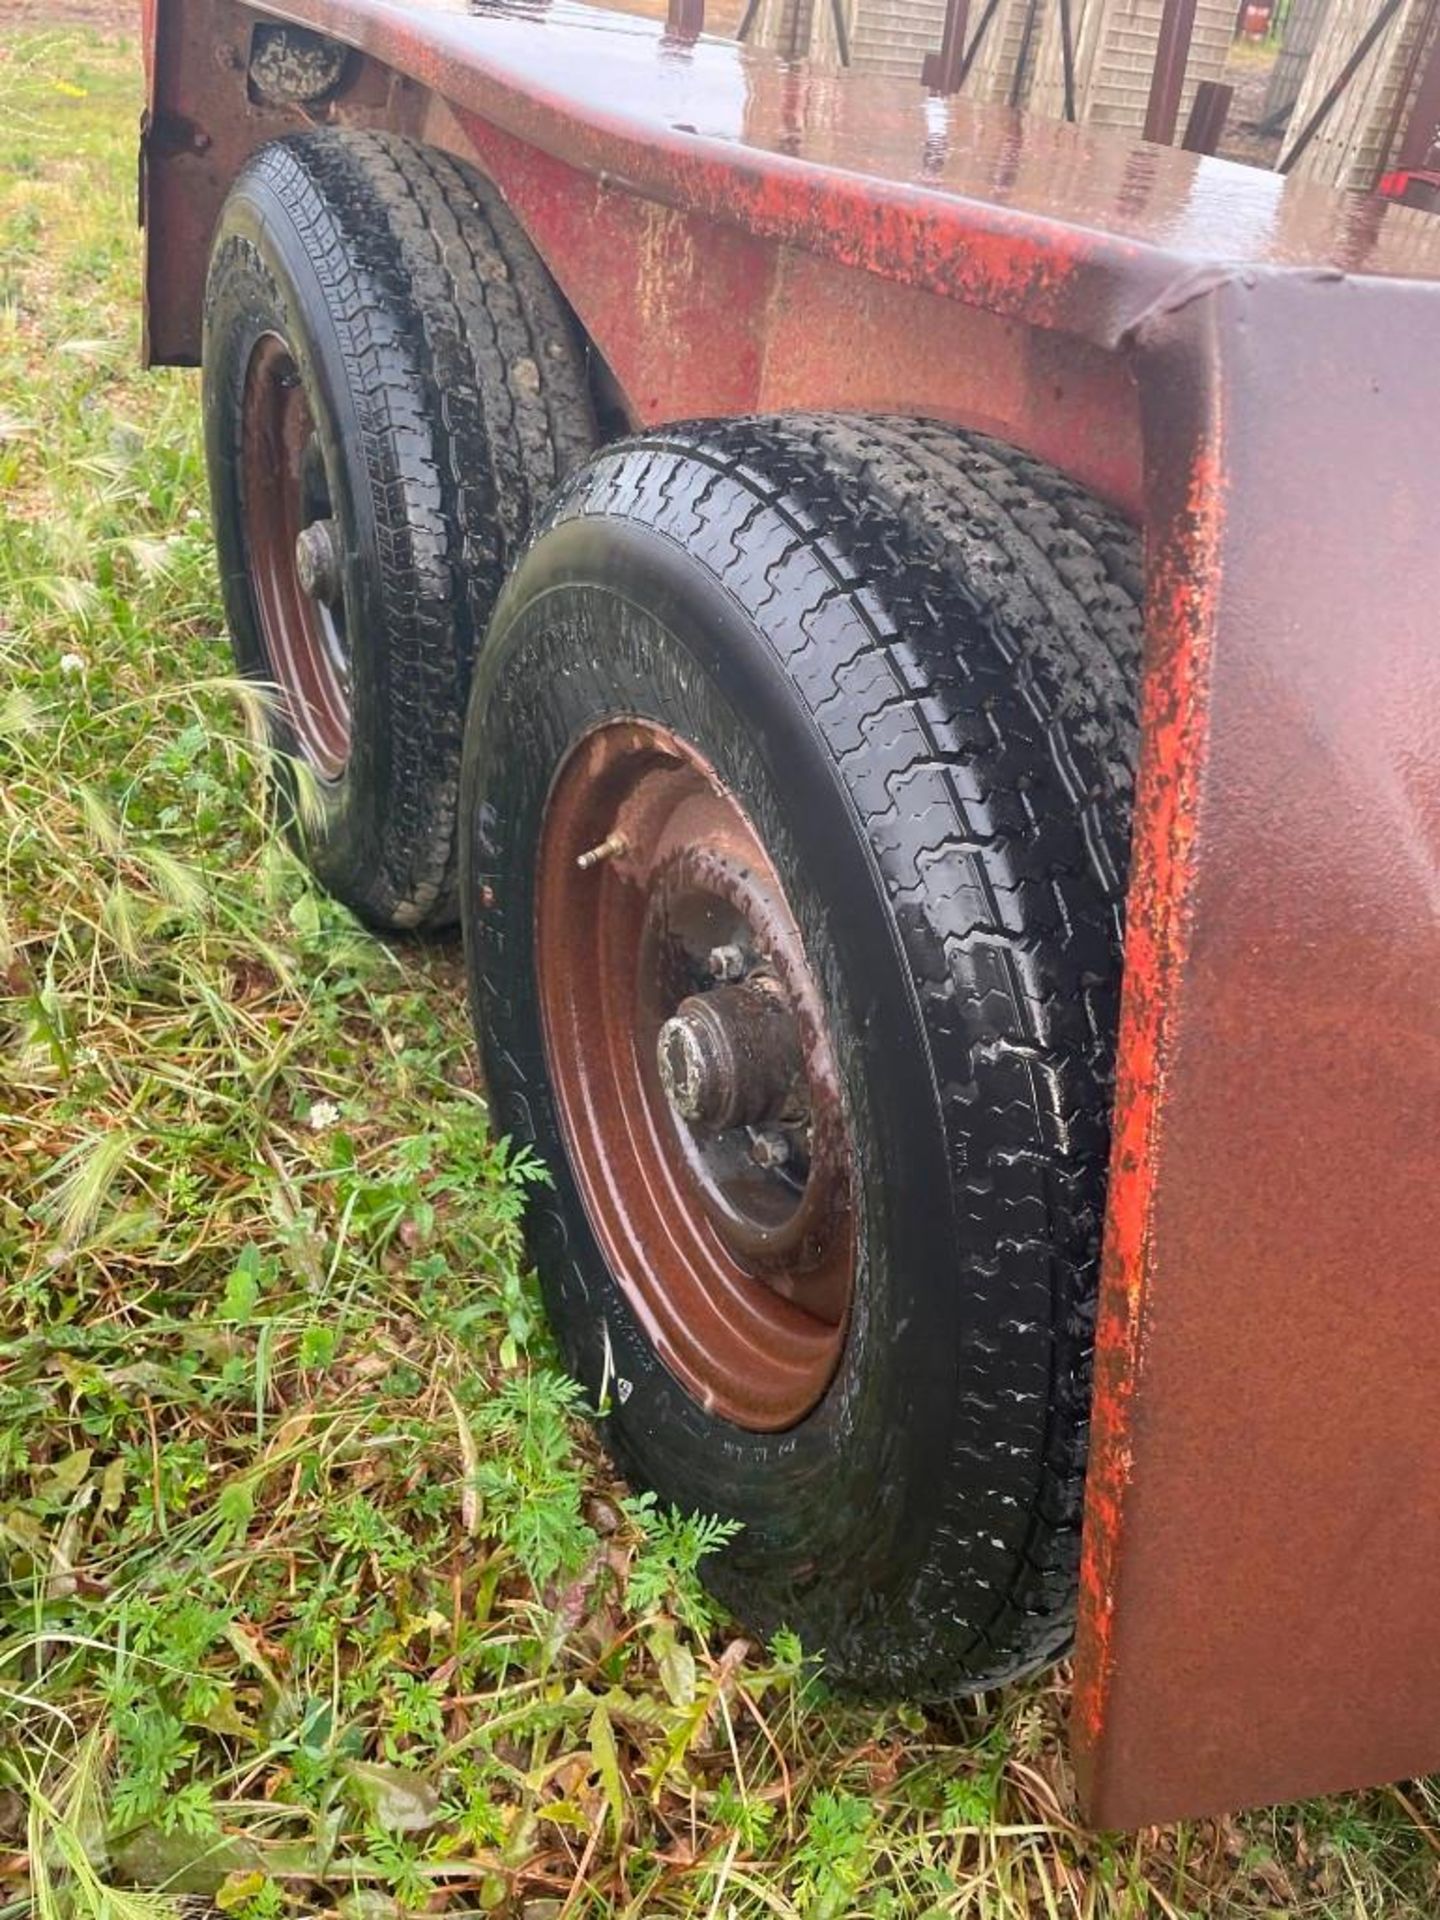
(1208, 112)
(1022, 60)
(1177, 28)
(842, 31)
(944, 71)
(686, 18)
(1067, 57)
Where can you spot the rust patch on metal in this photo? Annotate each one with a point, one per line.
(1180, 612)
(290, 66)
(697, 318)
(1263, 1522)
(203, 122)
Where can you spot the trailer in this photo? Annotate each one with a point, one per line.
(829, 583)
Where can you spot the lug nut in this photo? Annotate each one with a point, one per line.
(317, 561)
(770, 1149)
(726, 963)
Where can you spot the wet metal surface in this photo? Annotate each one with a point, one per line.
(760, 218)
(617, 92)
(1263, 1520)
(732, 128)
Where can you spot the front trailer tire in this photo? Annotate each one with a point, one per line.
(389, 369)
(909, 658)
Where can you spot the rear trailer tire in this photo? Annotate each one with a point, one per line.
(391, 382)
(902, 662)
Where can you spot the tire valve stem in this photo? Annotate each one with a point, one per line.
(607, 850)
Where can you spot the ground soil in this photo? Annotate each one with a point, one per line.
(1248, 71)
(115, 16)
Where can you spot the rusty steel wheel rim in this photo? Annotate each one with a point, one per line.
(693, 1075)
(294, 556)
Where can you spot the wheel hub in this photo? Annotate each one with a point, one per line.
(731, 1057)
(295, 557)
(317, 561)
(693, 1074)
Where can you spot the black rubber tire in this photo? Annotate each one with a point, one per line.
(915, 655)
(449, 391)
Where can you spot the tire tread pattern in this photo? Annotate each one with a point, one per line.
(994, 783)
(471, 389)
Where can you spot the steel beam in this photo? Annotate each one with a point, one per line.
(944, 71)
(685, 19)
(1205, 128)
(1167, 80)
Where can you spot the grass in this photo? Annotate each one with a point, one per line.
(317, 1595)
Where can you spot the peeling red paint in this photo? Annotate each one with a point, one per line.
(1180, 615)
(1263, 1514)
(1057, 227)
(753, 326)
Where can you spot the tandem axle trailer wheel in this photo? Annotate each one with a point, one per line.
(393, 389)
(795, 808)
